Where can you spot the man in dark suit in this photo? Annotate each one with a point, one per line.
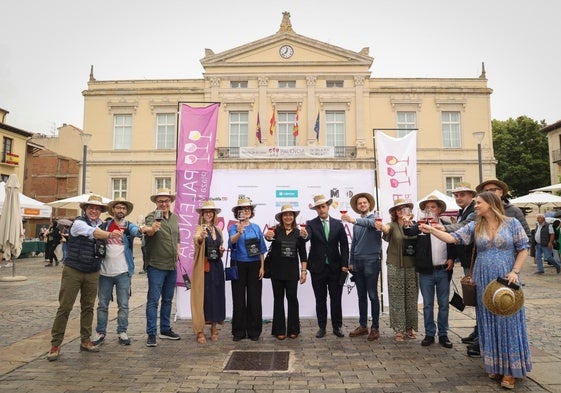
(327, 261)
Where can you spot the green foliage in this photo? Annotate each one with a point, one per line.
(522, 154)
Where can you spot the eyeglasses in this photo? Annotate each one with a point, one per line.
(161, 202)
(120, 208)
(492, 189)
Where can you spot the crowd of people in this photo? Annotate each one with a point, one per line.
(489, 237)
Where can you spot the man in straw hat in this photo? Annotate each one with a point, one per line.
(327, 260)
(116, 271)
(366, 251)
(434, 260)
(162, 254)
(81, 274)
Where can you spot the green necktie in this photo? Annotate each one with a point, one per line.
(326, 231)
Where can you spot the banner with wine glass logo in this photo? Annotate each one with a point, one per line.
(397, 169)
(195, 160)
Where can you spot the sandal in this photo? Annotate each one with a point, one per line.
(411, 333)
(213, 333)
(399, 336)
(201, 339)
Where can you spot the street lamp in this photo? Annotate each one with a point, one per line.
(478, 135)
(85, 139)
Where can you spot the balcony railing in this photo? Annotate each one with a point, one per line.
(556, 156)
(234, 152)
(10, 158)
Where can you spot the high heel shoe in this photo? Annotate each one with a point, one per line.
(201, 339)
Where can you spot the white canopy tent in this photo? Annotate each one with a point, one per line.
(30, 208)
(537, 198)
(553, 187)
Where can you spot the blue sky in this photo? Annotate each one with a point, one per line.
(47, 47)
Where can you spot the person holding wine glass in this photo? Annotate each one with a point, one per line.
(364, 263)
(162, 253)
(116, 270)
(248, 248)
(403, 285)
(288, 267)
(208, 298)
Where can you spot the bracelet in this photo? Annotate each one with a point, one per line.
(304, 271)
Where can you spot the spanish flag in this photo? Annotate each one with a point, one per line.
(295, 126)
(258, 133)
(273, 122)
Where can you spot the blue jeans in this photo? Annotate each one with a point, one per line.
(437, 282)
(161, 283)
(547, 254)
(366, 272)
(122, 283)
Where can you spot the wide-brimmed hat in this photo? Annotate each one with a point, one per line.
(362, 195)
(94, 200)
(400, 202)
(243, 202)
(501, 299)
(162, 192)
(320, 199)
(433, 198)
(120, 201)
(497, 182)
(208, 205)
(464, 187)
(284, 209)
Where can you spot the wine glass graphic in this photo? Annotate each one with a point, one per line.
(392, 172)
(194, 135)
(190, 148)
(395, 183)
(392, 160)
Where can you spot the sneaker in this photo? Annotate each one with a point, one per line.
(8, 264)
(170, 335)
(88, 347)
(124, 339)
(99, 339)
(151, 342)
(53, 353)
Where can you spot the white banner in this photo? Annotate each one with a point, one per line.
(287, 152)
(270, 189)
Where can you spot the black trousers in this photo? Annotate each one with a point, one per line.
(322, 283)
(50, 248)
(280, 324)
(247, 312)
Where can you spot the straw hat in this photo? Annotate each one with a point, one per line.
(320, 199)
(162, 192)
(284, 209)
(208, 205)
(95, 200)
(464, 187)
(496, 182)
(243, 202)
(502, 300)
(400, 202)
(120, 201)
(433, 198)
(362, 195)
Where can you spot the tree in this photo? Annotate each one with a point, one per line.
(522, 154)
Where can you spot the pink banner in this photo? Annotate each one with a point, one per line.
(195, 159)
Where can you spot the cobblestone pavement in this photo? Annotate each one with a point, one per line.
(27, 309)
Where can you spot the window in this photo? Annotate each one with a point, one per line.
(451, 130)
(334, 84)
(119, 185)
(287, 84)
(238, 84)
(406, 121)
(335, 128)
(163, 182)
(165, 131)
(285, 126)
(7, 145)
(452, 183)
(239, 125)
(122, 131)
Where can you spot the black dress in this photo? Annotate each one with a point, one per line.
(215, 295)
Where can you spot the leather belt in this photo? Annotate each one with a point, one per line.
(439, 267)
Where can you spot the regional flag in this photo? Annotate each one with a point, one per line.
(272, 122)
(295, 126)
(258, 133)
(316, 128)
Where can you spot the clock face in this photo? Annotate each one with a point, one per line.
(286, 51)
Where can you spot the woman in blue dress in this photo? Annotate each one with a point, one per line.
(502, 248)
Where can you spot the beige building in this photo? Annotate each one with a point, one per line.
(134, 122)
(553, 132)
(14, 149)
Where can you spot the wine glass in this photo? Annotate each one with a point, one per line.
(158, 215)
(407, 216)
(302, 221)
(422, 220)
(272, 225)
(343, 208)
(378, 216)
(140, 220)
(123, 225)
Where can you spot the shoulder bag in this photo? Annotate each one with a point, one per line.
(468, 285)
(231, 271)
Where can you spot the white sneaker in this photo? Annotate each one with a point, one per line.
(124, 339)
(8, 264)
(98, 339)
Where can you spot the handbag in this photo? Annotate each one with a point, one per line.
(457, 301)
(231, 272)
(186, 279)
(267, 263)
(468, 285)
